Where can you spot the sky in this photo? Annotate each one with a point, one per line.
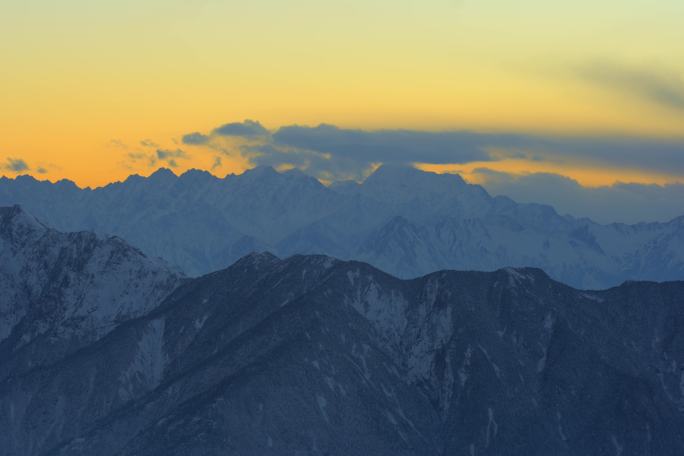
(506, 93)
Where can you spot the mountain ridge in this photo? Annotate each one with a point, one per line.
(324, 356)
(61, 291)
(201, 223)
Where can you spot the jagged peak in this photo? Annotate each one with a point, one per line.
(26, 178)
(135, 177)
(31, 180)
(197, 176)
(257, 259)
(401, 173)
(18, 217)
(260, 171)
(268, 177)
(67, 184)
(295, 172)
(192, 172)
(392, 173)
(162, 173)
(679, 221)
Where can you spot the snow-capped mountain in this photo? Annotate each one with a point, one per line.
(62, 291)
(402, 220)
(312, 355)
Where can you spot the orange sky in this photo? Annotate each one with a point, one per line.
(79, 79)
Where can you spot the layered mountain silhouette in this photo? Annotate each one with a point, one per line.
(106, 351)
(402, 220)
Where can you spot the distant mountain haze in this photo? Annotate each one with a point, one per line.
(402, 220)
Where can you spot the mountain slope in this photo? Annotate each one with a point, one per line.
(319, 356)
(402, 220)
(62, 291)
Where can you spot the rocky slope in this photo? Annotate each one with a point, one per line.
(312, 355)
(62, 291)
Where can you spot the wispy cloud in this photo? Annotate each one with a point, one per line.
(167, 157)
(662, 87)
(117, 143)
(15, 165)
(148, 143)
(170, 156)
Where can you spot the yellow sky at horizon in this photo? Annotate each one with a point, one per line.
(77, 75)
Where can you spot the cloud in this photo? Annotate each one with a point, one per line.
(247, 129)
(195, 138)
(334, 153)
(118, 144)
(627, 203)
(656, 86)
(135, 157)
(331, 152)
(19, 165)
(15, 165)
(218, 162)
(163, 154)
(170, 156)
(390, 146)
(345, 148)
(315, 163)
(655, 155)
(166, 156)
(148, 143)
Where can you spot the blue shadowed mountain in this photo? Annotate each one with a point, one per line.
(402, 220)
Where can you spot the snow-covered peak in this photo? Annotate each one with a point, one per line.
(269, 179)
(400, 176)
(69, 287)
(259, 172)
(405, 184)
(202, 223)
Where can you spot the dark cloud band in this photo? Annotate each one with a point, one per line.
(336, 153)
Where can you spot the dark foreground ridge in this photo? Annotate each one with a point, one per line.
(315, 356)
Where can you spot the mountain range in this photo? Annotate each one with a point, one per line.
(105, 350)
(401, 220)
